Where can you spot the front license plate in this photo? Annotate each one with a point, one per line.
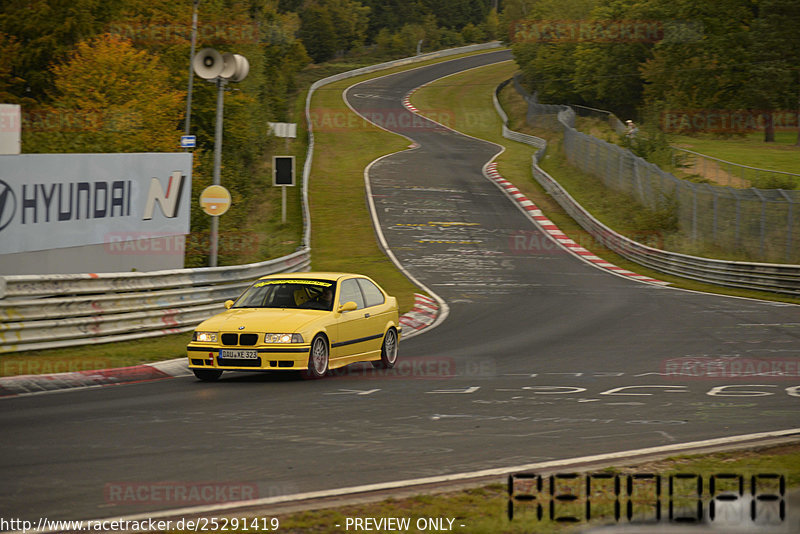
(239, 354)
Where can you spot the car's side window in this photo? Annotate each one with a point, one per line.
(372, 294)
(350, 292)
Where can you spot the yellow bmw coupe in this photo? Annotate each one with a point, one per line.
(309, 322)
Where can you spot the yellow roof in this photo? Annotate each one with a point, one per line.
(312, 274)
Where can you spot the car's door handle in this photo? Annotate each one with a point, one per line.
(366, 315)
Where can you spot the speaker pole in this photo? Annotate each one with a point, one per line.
(212, 261)
(211, 65)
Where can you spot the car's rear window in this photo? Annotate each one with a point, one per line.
(289, 293)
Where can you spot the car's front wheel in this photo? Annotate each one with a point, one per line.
(319, 358)
(388, 351)
(207, 375)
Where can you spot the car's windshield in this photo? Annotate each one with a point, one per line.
(287, 293)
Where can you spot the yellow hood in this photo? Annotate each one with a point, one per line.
(273, 320)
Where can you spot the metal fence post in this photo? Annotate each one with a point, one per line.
(763, 222)
(694, 212)
(789, 223)
(737, 234)
(714, 223)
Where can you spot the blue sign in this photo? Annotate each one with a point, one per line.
(188, 141)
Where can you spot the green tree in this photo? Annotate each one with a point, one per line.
(774, 46)
(607, 68)
(318, 33)
(708, 72)
(332, 27)
(458, 13)
(491, 26)
(393, 15)
(547, 63)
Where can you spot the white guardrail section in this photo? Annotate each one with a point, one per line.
(61, 310)
(775, 277)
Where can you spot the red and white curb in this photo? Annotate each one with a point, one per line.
(535, 214)
(421, 316)
(407, 102)
(29, 384)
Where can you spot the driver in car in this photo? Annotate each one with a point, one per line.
(323, 301)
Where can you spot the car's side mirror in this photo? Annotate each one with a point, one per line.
(348, 306)
(228, 304)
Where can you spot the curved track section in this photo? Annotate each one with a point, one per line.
(542, 357)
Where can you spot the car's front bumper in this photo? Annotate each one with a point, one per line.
(279, 357)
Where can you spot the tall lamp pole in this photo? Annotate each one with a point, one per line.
(188, 120)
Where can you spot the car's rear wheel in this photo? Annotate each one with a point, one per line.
(388, 351)
(207, 375)
(318, 359)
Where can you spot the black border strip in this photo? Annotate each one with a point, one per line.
(359, 340)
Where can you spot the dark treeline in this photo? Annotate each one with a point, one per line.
(664, 55)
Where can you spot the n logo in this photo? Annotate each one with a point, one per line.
(168, 202)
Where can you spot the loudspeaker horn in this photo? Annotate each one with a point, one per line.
(229, 66)
(208, 63)
(242, 68)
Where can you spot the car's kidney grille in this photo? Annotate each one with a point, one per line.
(248, 339)
(236, 339)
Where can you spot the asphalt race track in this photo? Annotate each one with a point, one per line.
(542, 357)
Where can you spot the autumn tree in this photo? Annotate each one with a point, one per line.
(109, 97)
(49, 29)
(9, 50)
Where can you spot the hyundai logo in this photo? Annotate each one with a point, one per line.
(8, 204)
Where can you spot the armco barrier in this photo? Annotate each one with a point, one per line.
(51, 311)
(775, 277)
(42, 312)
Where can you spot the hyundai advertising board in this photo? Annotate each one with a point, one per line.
(52, 201)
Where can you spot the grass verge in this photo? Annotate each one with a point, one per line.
(750, 149)
(483, 510)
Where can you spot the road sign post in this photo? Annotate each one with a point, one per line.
(215, 201)
(283, 177)
(188, 141)
(283, 166)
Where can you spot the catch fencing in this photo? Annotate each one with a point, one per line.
(751, 224)
(780, 278)
(62, 310)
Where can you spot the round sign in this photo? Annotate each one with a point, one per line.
(215, 200)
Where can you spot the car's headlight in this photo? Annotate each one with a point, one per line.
(283, 338)
(205, 337)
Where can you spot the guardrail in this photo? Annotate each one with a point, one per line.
(61, 310)
(779, 278)
(43, 312)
